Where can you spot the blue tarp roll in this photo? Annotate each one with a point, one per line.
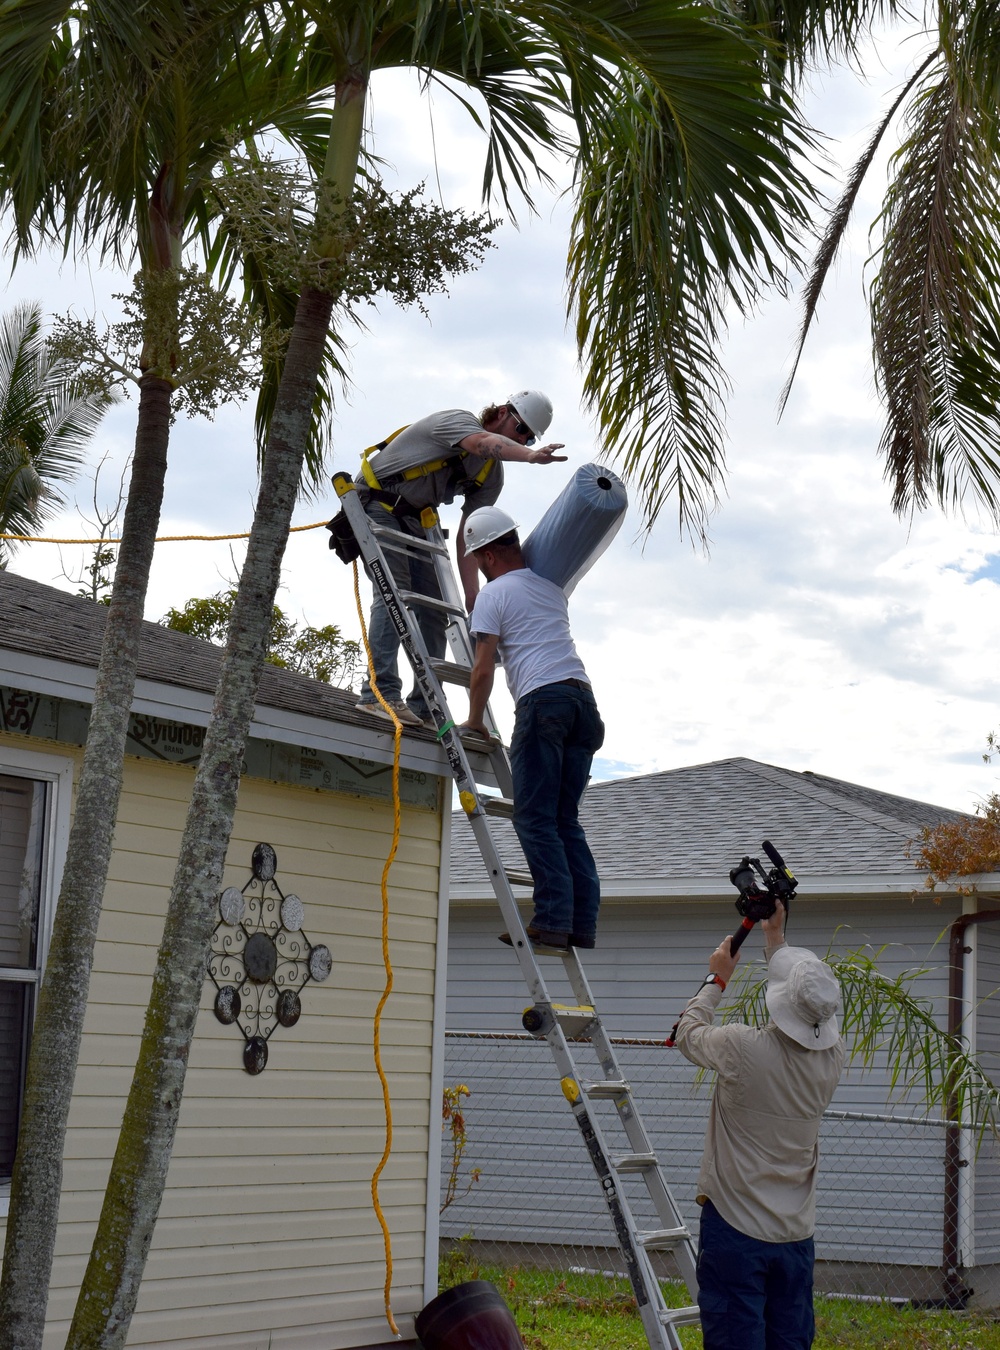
(578, 526)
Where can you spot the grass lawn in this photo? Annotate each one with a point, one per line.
(592, 1312)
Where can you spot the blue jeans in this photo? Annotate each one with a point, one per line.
(410, 574)
(753, 1295)
(557, 729)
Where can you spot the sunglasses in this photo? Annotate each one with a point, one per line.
(522, 429)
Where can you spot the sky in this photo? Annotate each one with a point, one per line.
(817, 632)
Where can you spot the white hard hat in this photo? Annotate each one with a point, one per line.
(484, 526)
(533, 408)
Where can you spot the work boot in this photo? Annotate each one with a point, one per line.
(402, 710)
(542, 939)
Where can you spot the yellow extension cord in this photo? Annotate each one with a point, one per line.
(396, 741)
(160, 538)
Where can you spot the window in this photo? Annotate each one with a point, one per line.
(34, 806)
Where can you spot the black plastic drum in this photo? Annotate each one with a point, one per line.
(472, 1316)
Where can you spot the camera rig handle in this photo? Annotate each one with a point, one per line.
(755, 902)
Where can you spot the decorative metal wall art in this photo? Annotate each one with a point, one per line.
(261, 959)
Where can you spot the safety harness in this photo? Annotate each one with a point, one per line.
(397, 505)
(342, 537)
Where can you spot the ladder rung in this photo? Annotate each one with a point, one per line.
(450, 672)
(681, 1317)
(499, 806)
(519, 878)
(663, 1239)
(405, 543)
(429, 602)
(634, 1162)
(609, 1087)
(576, 1022)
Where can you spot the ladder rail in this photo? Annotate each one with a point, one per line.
(669, 1215)
(472, 799)
(659, 1322)
(462, 647)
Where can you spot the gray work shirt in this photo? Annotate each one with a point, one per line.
(761, 1149)
(438, 437)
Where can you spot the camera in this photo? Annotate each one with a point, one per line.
(756, 902)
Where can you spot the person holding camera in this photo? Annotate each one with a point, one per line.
(757, 1184)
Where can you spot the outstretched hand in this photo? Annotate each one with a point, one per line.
(545, 454)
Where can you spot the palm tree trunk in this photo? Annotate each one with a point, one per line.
(34, 1202)
(139, 1171)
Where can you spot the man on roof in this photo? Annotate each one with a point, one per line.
(407, 477)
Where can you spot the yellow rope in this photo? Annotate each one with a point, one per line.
(386, 1100)
(160, 538)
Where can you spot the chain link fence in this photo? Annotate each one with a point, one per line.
(525, 1193)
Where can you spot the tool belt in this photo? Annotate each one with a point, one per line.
(342, 539)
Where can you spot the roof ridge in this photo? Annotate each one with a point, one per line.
(849, 805)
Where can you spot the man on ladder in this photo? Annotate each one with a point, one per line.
(557, 727)
(407, 477)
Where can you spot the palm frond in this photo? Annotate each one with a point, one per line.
(503, 56)
(46, 421)
(934, 300)
(687, 228)
(884, 1023)
(836, 227)
(803, 33)
(652, 374)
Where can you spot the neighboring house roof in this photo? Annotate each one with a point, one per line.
(680, 831)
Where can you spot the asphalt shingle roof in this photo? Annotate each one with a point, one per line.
(699, 821)
(47, 622)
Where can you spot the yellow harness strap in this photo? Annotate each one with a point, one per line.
(418, 470)
(367, 472)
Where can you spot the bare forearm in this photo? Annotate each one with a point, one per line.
(491, 445)
(467, 570)
(480, 688)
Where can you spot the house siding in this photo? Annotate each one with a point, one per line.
(266, 1236)
(649, 959)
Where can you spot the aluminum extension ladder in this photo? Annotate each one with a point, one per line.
(559, 1024)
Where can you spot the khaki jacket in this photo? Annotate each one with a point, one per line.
(761, 1150)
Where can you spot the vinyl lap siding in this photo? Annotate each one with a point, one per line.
(266, 1236)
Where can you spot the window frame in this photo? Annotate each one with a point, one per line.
(57, 772)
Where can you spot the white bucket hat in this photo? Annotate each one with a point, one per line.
(803, 996)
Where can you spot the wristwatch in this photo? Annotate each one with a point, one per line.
(712, 978)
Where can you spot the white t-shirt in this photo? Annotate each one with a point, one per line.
(530, 616)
